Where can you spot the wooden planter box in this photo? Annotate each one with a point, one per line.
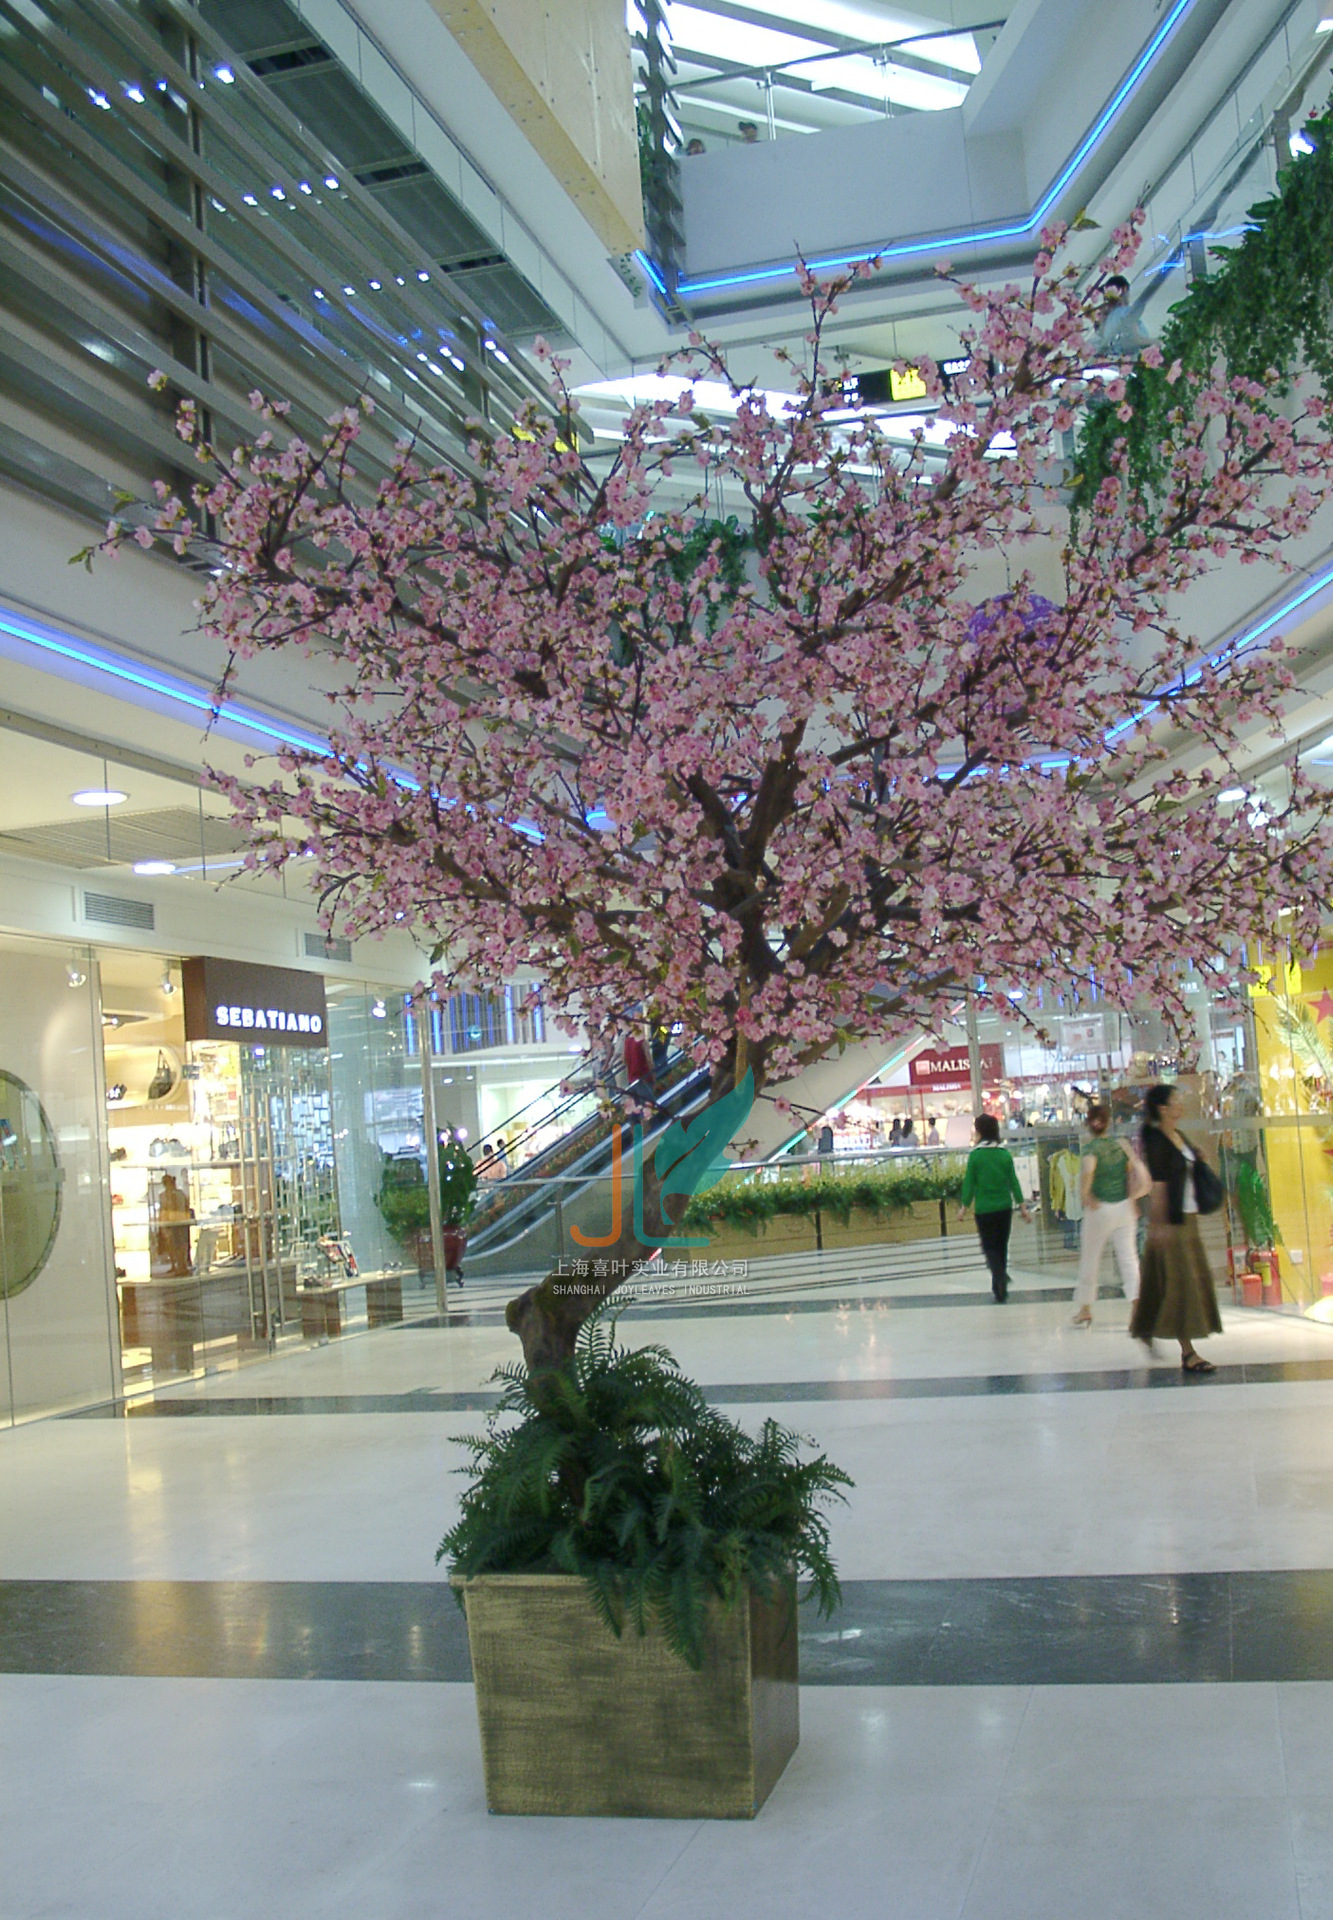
(919, 1221)
(574, 1721)
(795, 1233)
(788, 1233)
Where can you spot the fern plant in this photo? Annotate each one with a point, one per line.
(616, 1469)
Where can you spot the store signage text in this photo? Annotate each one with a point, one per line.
(948, 1066)
(1085, 1033)
(272, 1006)
(268, 1020)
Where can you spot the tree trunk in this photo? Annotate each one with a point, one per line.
(548, 1316)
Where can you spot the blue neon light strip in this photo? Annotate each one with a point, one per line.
(1227, 656)
(650, 269)
(1090, 142)
(164, 686)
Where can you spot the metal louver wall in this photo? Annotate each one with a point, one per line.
(162, 206)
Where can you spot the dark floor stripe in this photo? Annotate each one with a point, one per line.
(731, 1308)
(742, 1393)
(1114, 1630)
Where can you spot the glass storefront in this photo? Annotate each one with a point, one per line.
(60, 1347)
(171, 1205)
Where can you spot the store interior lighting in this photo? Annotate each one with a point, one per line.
(98, 797)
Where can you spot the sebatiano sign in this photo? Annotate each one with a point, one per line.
(269, 1006)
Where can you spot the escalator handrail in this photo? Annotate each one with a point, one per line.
(530, 1206)
(670, 1080)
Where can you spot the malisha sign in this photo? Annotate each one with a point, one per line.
(260, 1006)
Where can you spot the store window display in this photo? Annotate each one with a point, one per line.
(57, 1342)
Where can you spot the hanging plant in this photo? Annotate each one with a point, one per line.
(1264, 315)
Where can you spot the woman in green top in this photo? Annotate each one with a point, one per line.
(1113, 1179)
(990, 1186)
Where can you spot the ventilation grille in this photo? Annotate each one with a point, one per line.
(327, 946)
(112, 911)
(177, 834)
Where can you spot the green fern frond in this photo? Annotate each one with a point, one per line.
(1300, 1029)
(618, 1470)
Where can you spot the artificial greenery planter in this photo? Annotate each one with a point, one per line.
(576, 1722)
(673, 1534)
(404, 1197)
(750, 1204)
(919, 1221)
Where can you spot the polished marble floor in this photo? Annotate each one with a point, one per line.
(1084, 1666)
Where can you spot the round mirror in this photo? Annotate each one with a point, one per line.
(30, 1182)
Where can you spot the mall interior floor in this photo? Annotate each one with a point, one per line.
(1085, 1664)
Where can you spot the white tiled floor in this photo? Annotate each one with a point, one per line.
(287, 1799)
(139, 1800)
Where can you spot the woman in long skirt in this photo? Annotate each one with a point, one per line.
(1177, 1299)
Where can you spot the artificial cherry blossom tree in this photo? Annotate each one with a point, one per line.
(813, 807)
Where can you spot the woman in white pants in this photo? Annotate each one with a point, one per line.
(1112, 1180)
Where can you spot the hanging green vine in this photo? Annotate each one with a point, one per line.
(1268, 309)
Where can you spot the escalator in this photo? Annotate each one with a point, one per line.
(522, 1224)
(521, 1221)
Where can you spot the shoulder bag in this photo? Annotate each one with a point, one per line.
(1209, 1193)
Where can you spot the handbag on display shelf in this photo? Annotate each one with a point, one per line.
(163, 1080)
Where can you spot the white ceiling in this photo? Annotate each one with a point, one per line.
(801, 66)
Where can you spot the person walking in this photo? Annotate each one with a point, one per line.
(1177, 1299)
(1112, 1182)
(932, 1131)
(639, 1076)
(990, 1188)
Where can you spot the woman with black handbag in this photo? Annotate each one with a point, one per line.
(1177, 1299)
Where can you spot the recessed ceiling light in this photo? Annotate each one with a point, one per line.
(154, 866)
(98, 797)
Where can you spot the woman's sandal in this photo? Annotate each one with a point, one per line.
(1195, 1363)
(1083, 1318)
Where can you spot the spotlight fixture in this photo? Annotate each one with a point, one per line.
(98, 797)
(75, 975)
(167, 984)
(378, 1010)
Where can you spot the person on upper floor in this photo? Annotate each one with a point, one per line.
(639, 1076)
(1120, 334)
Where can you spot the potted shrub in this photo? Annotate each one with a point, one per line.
(458, 1197)
(627, 1558)
(404, 1202)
